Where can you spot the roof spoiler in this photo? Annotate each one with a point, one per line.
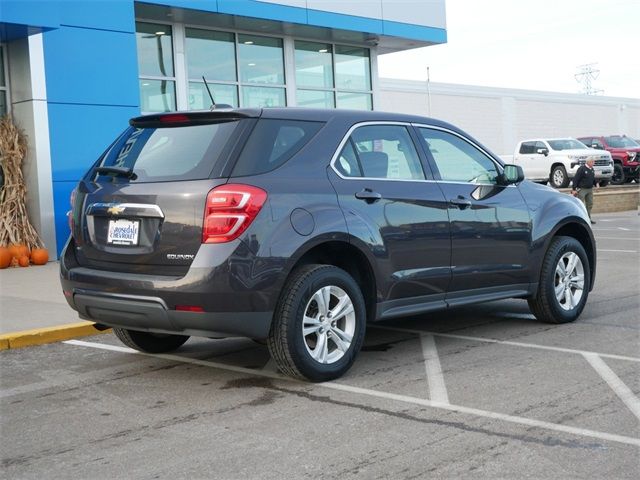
(177, 119)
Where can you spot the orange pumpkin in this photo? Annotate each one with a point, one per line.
(23, 261)
(5, 257)
(18, 250)
(39, 256)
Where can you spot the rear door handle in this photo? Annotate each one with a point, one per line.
(460, 202)
(368, 195)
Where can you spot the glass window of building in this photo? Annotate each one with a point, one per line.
(155, 64)
(212, 55)
(260, 65)
(353, 68)
(314, 74)
(261, 60)
(329, 76)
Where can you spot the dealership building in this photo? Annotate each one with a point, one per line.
(72, 72)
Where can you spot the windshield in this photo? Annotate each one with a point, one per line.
(166, 154)
(621, 142)
(566, 144)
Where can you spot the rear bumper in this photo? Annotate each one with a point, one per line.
(151, 314)
(237, 296)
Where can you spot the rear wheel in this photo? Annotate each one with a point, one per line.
(618, 177)
(319, 324)
(564, 282)
(150, 342)
(559, 177)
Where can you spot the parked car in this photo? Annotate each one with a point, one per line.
(300, 226)
(556, 160)
(625, 152)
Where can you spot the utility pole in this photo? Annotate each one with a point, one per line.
(586, 74)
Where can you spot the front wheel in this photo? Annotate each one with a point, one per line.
(559, 177)
(564, 282)
(618, 177)
(150, 342)
(604, 183)
(319, 324)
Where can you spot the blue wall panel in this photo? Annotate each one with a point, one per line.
(80, 133)
(115, 15)
(271, 11)
(91, 66)
(36, 13)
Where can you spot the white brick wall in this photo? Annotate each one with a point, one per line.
(500, 117)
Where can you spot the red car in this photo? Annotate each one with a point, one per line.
(625, 152)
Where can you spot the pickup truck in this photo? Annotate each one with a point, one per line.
(625, 152)
(556, 160)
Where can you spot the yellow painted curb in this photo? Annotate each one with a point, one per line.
(40, 336)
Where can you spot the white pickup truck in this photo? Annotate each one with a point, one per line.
(556, 160)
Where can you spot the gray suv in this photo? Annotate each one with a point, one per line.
(300, 226)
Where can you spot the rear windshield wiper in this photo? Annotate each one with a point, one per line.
(118, 172)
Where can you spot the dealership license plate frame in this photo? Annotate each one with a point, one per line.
(123, 237)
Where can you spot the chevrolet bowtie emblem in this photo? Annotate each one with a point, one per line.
(116, 210)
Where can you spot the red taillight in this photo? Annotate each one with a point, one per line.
(229, 211)
(72, 202)
(189, 308)
(174, 118)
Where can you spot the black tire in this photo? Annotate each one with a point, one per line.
(150, 342)
(618, 177)
(546, 306)
(604, 183)
(288, 346)
(558, 177)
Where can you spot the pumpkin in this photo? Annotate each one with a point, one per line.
(39, 256)
(18, 250)
(5, 257)
(23, 261)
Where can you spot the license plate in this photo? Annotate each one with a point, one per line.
(123, 232)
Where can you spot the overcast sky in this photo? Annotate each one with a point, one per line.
(531, 44)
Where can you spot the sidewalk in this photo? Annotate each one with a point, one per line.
(33, 309)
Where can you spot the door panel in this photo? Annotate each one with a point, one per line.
(490, 224)
(399, 216)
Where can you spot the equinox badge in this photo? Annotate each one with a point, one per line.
(179, 256)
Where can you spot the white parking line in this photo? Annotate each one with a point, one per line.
(617, 385)
(611, 229)
(617, 238)
(618, 251)
(387, 396)
(505, 342)
(437, 387)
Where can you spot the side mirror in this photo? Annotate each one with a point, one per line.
(543, 151)
(597, 147)
(513, 174)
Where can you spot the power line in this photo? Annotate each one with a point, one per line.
(586, 74)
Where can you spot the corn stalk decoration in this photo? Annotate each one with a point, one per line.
(15, 227)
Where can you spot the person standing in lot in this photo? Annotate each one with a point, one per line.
(583, 183)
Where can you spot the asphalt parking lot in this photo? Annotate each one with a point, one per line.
(479, 392)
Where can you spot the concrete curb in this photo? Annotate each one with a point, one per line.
(39, 336)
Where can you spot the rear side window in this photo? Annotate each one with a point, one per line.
(169, 154)
(272, 143)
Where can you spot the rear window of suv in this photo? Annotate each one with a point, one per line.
(272, 143)
(170, 153)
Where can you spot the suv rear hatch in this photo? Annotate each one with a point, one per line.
(140, 208)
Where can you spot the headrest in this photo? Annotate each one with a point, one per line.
(375, 164)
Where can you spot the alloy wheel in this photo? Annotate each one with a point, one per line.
(329, 324)
(569, 281)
